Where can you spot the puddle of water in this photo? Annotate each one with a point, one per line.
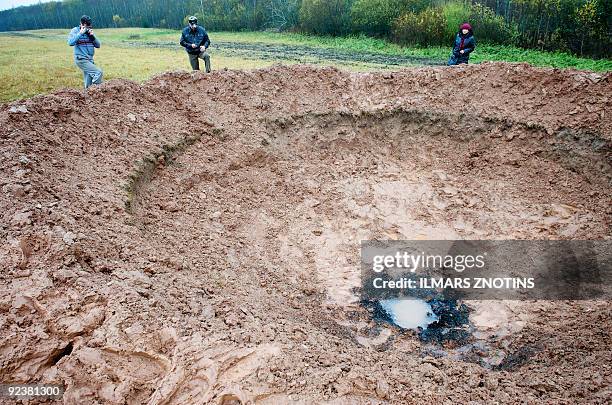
(409, 313)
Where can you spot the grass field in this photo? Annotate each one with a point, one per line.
(31, 65)
(34, 62)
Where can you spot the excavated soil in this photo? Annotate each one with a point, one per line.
(195, 239)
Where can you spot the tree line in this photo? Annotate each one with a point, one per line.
(582, 27)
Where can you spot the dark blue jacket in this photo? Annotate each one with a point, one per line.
(469, 43)
(198, 37)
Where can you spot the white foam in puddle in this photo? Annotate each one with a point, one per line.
(409, 313)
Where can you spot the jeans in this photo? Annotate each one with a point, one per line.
(91, 73)
(195, 62)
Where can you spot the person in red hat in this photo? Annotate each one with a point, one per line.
(464, 45)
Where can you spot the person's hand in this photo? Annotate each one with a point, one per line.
(202, 49)
(461, 51)
(83, 29)
(90, 31)
(194, 46)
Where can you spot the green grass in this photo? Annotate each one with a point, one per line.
(34, 62)
(367, 44)
(33, 66)
(353, 44)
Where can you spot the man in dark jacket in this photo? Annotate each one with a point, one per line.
(464, 45)
(195, 40)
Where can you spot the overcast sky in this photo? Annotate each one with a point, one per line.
(4, 4)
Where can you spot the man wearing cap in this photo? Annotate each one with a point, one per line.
(84, 41)
(195, 40)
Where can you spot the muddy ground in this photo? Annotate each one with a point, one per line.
(195, 239)
(301, 53)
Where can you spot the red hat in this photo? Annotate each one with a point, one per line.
(466, 26)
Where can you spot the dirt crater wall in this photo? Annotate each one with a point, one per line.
(227, 277)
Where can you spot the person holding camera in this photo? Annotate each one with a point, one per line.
(84, 41)
(195, 40)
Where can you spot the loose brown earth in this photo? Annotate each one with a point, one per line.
(195, 239)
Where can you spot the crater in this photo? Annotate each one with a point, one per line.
(318, 184)
(215, 232)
